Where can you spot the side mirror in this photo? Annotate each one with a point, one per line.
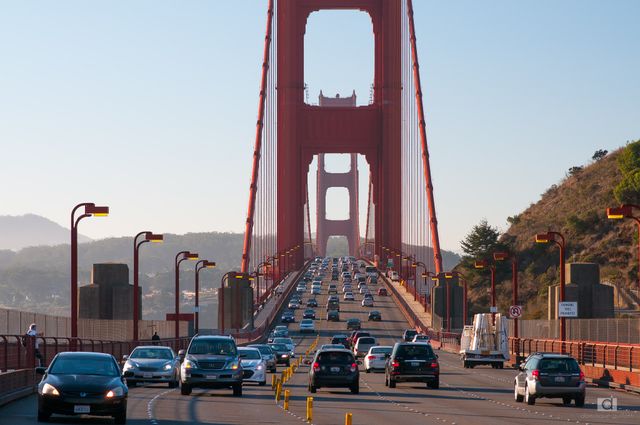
(41, 370)
(181, 354)
(125, 357)
(521, 367)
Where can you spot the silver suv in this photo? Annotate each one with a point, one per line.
(551, 376)
(211, 362)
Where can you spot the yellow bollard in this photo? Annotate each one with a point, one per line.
(309, 409)
(278, 392)
(286, 400)
(273, 382)
(348, 419)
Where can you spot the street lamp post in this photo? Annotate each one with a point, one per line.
(415, 265)
(90, 209)
(202, 264)
(559, 240)
(626, 211)
(266, 264)
(501, 256)
(482, 264)
(148, 237)
(180, 257)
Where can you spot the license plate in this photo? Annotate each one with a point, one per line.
(212, 376)
(415, 364)
(559, 379)
(81, 408)
(335, 369)
(147, 375)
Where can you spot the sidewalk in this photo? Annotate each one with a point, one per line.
(272, 303)
(415, 306)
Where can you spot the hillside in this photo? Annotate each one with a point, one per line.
(576, 207)
(21, 231)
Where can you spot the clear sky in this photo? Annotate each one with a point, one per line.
(150, 106)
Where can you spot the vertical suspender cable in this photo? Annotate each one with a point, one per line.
(258, 145)
(437, 255)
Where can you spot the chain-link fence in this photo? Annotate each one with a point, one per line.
(624, 331)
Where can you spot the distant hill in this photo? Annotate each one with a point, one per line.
(21, 231)
(576, 207)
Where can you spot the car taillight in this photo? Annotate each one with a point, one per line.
(434, 365)
(354, 367)
(316, 367)
(371, 357)
(535, 374)
(395, 364)
(581, 376)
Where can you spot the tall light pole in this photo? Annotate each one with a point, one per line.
(502, 256)
(180, 257)
(202, 264)
(626, 211)
(559, 240)
(415, 265)
(146, 236)
(90, 209)
(482, 264)
(257, 273)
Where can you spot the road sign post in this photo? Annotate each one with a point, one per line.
(493, 309)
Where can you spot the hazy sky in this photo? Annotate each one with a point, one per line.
(150, 106)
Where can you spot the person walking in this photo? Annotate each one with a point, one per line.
(33, 332)
(155, 338)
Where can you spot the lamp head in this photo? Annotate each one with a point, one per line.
(210, 264)
(191, 256)
(543, 237)
(153, 237)
(619, 213)
(500, 256)
(96, 211)
(480, 264)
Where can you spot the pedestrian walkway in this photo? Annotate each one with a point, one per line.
(415, 306)
(273, 303)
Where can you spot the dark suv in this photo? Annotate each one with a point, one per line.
(412, 362)
(551, 376)
(334, 368)
(211, 362)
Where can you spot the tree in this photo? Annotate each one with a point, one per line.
(481, 241)
(628, 190)
(629, 159)
(599, 154)
(575, 170)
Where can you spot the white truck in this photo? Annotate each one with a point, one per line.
(484, 342)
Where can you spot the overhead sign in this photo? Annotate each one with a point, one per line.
(515, 311)
(568, 309)
(493, 309)
(390, 263)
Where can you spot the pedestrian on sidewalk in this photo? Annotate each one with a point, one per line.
(33, 332)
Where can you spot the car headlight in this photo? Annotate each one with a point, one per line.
(189, 364)
(284, 356)
(259, 367)
(235, 366)
(116, 392)
(129, 365)
(49, 389)
(168, 366)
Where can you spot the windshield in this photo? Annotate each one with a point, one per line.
(76, 365)
(558, 366)
(283, 341)
(380, 350)
(335, 357)
(214, 347)
(306, 322)
(249, 354)
(366, 340)
(279, 347)
(152, 353)
(415, 352)
(264, 349)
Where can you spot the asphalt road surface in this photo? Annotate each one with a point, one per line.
(466, 396)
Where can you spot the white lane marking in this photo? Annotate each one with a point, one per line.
(151, 404)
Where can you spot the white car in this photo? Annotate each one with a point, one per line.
(395, 277)
(364, 289)
(333, 289)
(367, 302)
(363, 345)
(253, 365)
(348, 296)
(422, 338)
(376, 357)
(307, 325)
(315, 290)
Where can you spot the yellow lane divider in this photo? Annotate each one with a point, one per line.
(348, 419)
(309, 409)
(286, 400)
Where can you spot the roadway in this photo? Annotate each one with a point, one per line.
(466, 396)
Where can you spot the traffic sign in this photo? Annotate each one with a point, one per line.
(568, 309)
(515, 311)
(493, 309)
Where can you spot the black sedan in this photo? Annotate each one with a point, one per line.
(282, 352)
(312, 302)
(334, 368)
(309, 314)
(288, 317)
(375, 315)
(80, 383)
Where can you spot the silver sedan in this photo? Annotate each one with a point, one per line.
(152, 364)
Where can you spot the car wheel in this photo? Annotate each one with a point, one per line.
(392, 383)
(121, 418)
(580, 401)
(517, 397)
(237, 390)
(185, 389)
(465, 365)
(355, 389)
(386, 381)
(262, 383)
(434, 385)
(566, 401)
(528, 397)
(312, 389)
(368, 370)
(43, 416)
